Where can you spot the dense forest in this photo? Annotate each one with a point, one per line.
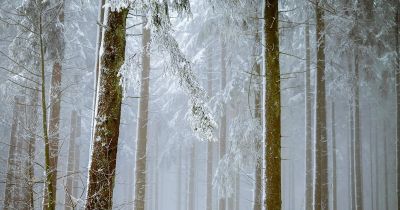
(199, 104)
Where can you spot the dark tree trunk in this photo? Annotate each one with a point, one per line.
(272, 143)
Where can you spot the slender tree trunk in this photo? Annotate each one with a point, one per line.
(397, 73)
(334, 169)
(192, 177)
(377, 168)
(68, 201)
(209, 143)
(10, 190)
(309, 164)
(357, 140)
(272, 107)
(237, 192)
(257, 203)
(141, 146)
(179, 181)
(352, 168)
(371, 159)
(55, 98)
(321, 158)
(385, 166)
(77, 175)
(222, 131)
(32, 129)
(108, 113)
(156, 176)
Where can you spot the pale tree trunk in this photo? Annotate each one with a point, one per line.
(257, 203)
(192, 175)
(237, 192)
(371, 159)
(308, 98)
(68, 200)
(209, 143)
(352, 181)
(222, 131)
(10, 189)
(334, 169)
(55, 99)
(141, 145)
(156, 176)
(321, 197)
(76, 177)
(179, 181)
(385, 165)
(397, 73)
(357, 140)
(272, 141)
(377, 168)
(108, 113)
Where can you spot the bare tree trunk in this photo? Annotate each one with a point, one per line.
(377, 167)
(108, 113)
(156, 176)
(77, 175)
(32, 123)
(179, 181)
(68, 201)
(192, 178)
(209, 172)
(237, 192)
(397, 73)
(309, 163)
(357, 140)
(55, 97)
(334, 173)
(10, 189)
(385, 166)
(273, 199)
(222, 131)
(352, 181)
(321, 197)
(141, 146)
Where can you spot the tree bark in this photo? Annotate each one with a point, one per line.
(77, 175)
(108, 113)
(334, 173)
(321, 157)
(55, 97)
(10, 189)
(210, 155)
(272, 107)
(141, 146)
(192, 175)
(179, 181)
(308, 98)
(397, 73)
(222, 131)
(68, 201)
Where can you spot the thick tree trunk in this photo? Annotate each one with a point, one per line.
(321, 156)
(141, 145)
(272, 107)
(108, 113)
(10, 189)
(334, 169)
(309, 164)
(68, 200)
(222, 131)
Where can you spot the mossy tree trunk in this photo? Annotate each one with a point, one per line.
(272, 141)
(108, 114)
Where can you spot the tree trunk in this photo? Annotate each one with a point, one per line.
(141, 145)
(321, 156)
(192, 178)
(156, 176)
(385, 166)
(377, 168)
(237, 192)
(77, 175)
(357, 140)
(55, 97)
(309, 164)
(334, 173)
(397, 73)
(10, 190)
(179, 181)
(209, 143)
(272, 107)
(222, 131)
(68, 201)
(32, 129)
(108, 113)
